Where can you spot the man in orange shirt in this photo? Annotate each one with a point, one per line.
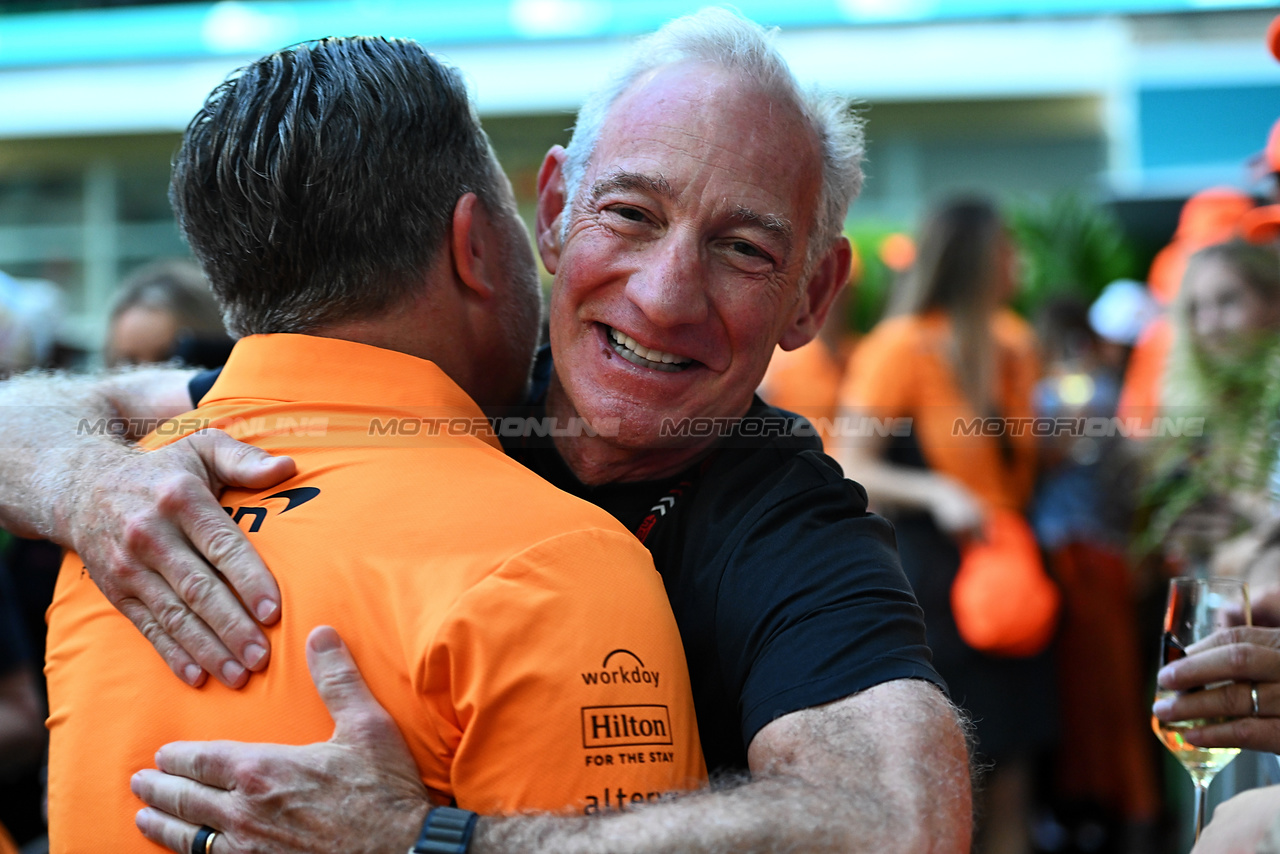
(536, 667)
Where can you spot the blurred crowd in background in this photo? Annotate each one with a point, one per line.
(1128, 418)
(1136, 414)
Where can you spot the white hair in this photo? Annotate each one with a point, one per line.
(726, 39)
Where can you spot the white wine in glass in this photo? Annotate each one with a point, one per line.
(1196, 608)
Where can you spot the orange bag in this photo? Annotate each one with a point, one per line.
(1002, 600)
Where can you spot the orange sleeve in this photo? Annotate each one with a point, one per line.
(564, 696)
(879, 378)
(1167, 268)
(1141, 393)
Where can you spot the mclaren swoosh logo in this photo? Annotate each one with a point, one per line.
(296, 497)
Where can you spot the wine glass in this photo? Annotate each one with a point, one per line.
(1197, 607)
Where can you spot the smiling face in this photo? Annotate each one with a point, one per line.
(681, 267)
(1223, 310)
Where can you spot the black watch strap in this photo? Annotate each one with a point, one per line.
(446, 830)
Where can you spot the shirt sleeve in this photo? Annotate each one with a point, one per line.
(560, 682)
(815, 606)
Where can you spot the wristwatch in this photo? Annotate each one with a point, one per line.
(445, 830)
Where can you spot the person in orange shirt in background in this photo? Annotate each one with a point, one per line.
(950, 352)
(807, 380)
(1211, 216)
(379, 273)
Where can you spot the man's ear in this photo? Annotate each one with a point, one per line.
(829, 275)
(474, 242)
(551, 202)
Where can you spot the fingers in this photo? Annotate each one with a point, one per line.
(1248, 733)
(211, 764)
(1240, 654)
(162, 829)
(1256, 635)
(183, 595)
(178, 835)
(223, 461)
(154, 539)
(1229, 701)
(180, 798)
(357, 716)
(232, 463)
(182, 665)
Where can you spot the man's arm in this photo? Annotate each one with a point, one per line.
(148, 526)
(882, 771)
(53, 426)
(885, 770)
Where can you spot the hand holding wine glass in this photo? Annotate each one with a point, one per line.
(1196, 609)
(1239, 661)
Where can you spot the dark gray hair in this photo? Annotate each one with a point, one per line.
(318, 183)
(728, 40)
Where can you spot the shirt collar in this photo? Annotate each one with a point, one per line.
(310, 368)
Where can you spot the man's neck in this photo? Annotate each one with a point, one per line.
(597, 460)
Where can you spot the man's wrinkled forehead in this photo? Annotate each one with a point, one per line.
(689, 103)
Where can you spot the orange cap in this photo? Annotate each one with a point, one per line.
(1273, 36)
(1212, 216)
(1261, 225)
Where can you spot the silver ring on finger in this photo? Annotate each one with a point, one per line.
(1253, 694)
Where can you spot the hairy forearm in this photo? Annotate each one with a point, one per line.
(773, 814)
(42, 446)
(53, 427)
(906, 793)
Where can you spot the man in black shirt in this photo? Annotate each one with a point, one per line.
(693, 224)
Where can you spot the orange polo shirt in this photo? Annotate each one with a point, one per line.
(902, 369)
(519, 636)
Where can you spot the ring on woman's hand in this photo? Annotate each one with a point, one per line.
(1253, 693)
(203, 841)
